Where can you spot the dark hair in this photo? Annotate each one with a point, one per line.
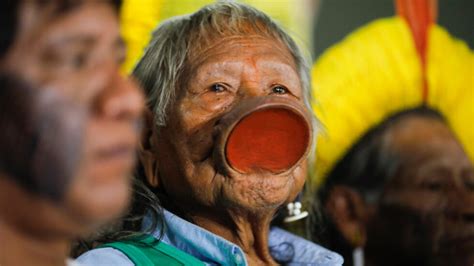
(368, 165)
(10, 12)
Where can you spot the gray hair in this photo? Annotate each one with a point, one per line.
(160, 69)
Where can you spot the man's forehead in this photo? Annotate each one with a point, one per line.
(237, 46)
(36, 20)
(415, 129)
(422, 138)
(62, 7)
(46, 11)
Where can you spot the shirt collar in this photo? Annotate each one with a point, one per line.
(197, 241)
(213, 249)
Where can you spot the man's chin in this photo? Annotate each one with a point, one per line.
(258, 195)
(99, 203)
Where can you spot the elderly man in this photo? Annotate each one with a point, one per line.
(228, 140)
(398, 182)
(69, 126)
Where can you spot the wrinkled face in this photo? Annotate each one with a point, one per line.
(222, 76)
(73, 58)
(432, 195)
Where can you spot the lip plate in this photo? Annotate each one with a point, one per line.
(229, 121)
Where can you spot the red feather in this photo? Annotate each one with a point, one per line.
(419, 14)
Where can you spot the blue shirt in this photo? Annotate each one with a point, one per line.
(215, 250)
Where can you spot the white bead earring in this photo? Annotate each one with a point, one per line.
(295, 212)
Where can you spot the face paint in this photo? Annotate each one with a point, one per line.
(40, 141)
(264, 134)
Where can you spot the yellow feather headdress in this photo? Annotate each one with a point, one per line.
(376, 72)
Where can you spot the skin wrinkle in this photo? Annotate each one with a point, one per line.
(241, 42)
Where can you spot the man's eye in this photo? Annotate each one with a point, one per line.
(468, 177)
(433, 185)
(217, 88)
(120, 59)
(78, 60)
(279, 90)
(469, 185)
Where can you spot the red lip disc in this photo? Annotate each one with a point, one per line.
(272, 139)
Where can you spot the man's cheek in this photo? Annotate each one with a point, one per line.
(41, 139)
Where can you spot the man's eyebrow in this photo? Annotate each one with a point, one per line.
(85, 40)
(74, 39)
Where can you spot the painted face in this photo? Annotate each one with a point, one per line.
(222, 78)
(429, 206)
(88, 114)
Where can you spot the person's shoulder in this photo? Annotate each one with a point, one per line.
(104, 256)
(139, 252)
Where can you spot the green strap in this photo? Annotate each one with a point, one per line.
(133, 253)
(149, 252)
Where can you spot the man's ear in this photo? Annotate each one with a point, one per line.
(348, 212)
(147, 150)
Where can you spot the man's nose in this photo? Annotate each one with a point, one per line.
(122, 99)
(251, 84)
(248, 90)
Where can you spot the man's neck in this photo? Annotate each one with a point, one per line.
(20, 248)
(246, 230)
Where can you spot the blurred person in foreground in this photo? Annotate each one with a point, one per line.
(70, 126)
(393, 171)
(229, 133)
